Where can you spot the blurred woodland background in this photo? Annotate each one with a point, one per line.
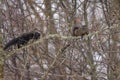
(93, 57)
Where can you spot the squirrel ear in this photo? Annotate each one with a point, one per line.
(77, 20)
(36, 30)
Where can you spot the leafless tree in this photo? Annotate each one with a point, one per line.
(58, 55)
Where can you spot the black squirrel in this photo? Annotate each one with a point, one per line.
(23, 39)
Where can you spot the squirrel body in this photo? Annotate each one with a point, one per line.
(22, 40)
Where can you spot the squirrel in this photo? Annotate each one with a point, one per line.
(78, 29)
(22, 40)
